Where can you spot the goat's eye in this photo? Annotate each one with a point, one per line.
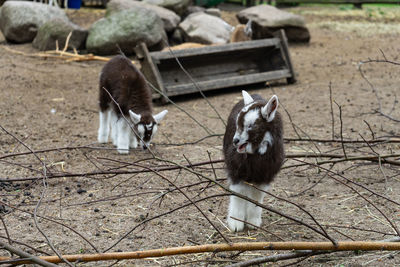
(249, 127)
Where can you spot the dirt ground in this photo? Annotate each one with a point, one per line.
(50, 104)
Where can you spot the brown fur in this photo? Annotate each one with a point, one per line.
(238, 34)
(184, 46)
(254, 168)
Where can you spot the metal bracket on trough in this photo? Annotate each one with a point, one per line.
(217, 66)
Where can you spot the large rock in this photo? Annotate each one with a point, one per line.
(206, 29)
(178, 6)
(170, 18)
(58, 30)
(268, 19)
(20, 20)
(193, 9)
(125, 29)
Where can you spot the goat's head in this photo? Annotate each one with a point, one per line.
(146, 126)
(254, 125)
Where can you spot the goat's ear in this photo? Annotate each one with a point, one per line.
(135, 117)
(247, 30)
(269, 110)
(247, 98)
(159, 116)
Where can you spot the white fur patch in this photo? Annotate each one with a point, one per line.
(251, 117)
(267, 140)
(155, 128)
(140, 130)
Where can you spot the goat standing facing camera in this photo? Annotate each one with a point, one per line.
(254, 153)
(128, 87)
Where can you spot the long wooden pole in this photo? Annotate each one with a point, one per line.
(314, 246)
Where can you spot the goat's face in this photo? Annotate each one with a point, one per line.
(253, 125)
(146, 126)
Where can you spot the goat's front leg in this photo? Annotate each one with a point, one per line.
(237, 208)
(253, 212)
(133, 142)
(123, 136)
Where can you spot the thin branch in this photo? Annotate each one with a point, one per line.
(23, 254)
(332, 115)
(341, 129)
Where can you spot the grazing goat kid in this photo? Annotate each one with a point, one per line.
(253, 151)
(128, 87)
(241, 33)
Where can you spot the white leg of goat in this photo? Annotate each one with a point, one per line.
(253, 212)
(114, 130)
(237, 207)
(104, 126)
(123, 136)
(133, 143)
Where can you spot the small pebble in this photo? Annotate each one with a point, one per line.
(80, 191)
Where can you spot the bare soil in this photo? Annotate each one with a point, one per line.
(51, 104)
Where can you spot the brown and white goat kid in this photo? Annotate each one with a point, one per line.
(241, 32)
(254, 153)
(128, 87)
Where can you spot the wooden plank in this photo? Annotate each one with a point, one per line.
(150, 70)
(227, 82)
(285, 52)
(215, 49)
(203, 68)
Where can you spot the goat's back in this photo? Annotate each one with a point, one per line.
(127, 86)
(253, 168)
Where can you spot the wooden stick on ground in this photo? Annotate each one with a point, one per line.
(251, 246)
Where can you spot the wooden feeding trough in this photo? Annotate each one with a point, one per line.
(216, 66)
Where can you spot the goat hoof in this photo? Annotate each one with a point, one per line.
(123, 150)
(254, 223)
(102, 139)
(235, 226)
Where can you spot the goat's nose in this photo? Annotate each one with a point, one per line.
(235, 141)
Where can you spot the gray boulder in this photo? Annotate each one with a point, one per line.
(125, 29)
(178, 6)
(58, 30)
(206, 29)
(193, 9)
(169, 18)
(20, 20)
(268, 19)
(213, 11)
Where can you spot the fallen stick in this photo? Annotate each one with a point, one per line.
(60, 54)
(250, 246)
